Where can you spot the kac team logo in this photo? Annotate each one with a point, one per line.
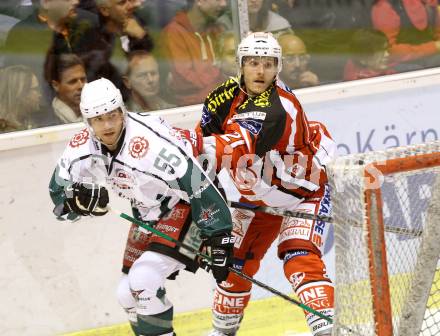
(138, 147)
(79, 138)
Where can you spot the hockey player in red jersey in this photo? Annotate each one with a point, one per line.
(147, 162)
(256, 128)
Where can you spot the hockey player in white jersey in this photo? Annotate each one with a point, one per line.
(147, 162)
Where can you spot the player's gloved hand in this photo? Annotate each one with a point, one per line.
(87, 199)
(219, 249)
(191, 137)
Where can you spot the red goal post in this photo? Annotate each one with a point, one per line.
(386, 214)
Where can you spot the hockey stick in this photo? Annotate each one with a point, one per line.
(295, 214)
(328, 219)
(231, 269)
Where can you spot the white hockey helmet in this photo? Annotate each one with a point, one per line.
(259, 44)
(99, 97)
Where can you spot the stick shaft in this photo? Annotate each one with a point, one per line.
(231, 269)
(296, 214)
(328, 219)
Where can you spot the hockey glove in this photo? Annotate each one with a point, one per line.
(191, 137)
(220, 250)
(87, 199)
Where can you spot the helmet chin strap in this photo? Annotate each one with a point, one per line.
(239, 83)
(117, 140)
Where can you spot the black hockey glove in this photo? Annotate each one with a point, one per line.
(87, 199)
(220, 249)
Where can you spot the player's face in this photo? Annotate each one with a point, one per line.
(258, 73)
(70, 85)
(144, 77)
(108, 127)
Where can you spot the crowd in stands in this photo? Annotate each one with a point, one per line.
(163, 53)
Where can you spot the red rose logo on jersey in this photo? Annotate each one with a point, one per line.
(79, 138)
(138, 147)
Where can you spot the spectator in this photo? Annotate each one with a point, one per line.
(324, 14)
(370, 55)
(227, 52)
(121, 32)
(54, 27)
(20, 98)
(413, 31)
(117, 19)
(142, 78)
(67, 76)
(261, 18)
(295, 72)
(325, 27)
(89, 5)
(158, 13)
(188, 48)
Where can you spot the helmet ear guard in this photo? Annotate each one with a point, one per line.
(259, 44)
(99, 97)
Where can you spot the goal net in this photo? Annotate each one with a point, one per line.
(386, 214)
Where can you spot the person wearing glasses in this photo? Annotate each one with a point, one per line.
(295, 72)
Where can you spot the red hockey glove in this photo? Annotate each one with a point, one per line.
(193, 137)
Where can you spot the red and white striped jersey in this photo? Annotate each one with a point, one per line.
(274, 155)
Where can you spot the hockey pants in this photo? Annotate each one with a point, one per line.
(142, 294)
